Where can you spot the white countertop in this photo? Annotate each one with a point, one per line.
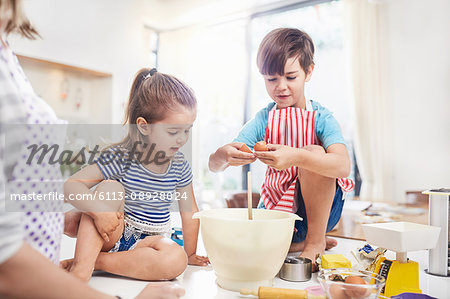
(199, 282)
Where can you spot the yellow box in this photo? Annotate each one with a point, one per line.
(330, 261)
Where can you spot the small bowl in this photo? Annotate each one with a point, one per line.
(339, 290)
(296, 269)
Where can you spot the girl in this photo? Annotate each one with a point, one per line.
(128, 237)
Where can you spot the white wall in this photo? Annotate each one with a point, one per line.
(206, 59)
(109, 36)
(102, 35)
(419, 92)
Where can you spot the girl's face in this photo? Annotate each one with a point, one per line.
(288, 90)
(171, 133)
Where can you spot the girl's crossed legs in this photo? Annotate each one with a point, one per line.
(153, 258)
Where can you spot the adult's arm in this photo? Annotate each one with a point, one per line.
(28, 273)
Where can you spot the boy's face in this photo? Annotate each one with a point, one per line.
(288, 90)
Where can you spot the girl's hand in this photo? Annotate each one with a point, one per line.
(279, 156)
(233, 156)
(197, 260)
(161, 290)
(106, 223)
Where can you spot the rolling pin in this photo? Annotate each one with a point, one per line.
(276, 293)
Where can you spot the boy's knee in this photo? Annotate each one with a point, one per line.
(315, 149)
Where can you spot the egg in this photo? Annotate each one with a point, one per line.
(245, 148)
(354, 291)
(261, 146)
(337, 291)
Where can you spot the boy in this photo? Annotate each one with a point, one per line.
(307, 155)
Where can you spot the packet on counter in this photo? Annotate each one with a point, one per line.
(318, 261)
(366, 257)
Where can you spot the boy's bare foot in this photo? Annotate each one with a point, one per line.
(295, 247)
(311, 250)
(330, 243)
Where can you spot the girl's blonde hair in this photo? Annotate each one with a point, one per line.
(18, 22)
(152, 96)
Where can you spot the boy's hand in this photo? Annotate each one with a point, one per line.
(233, 156)
(197, 260)
(106, 223)
(279, 156)
(229, 154)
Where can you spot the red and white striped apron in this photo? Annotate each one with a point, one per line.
(293, 127)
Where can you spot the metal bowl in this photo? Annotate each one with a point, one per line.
(296, 269)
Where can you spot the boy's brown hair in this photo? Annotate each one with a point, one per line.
(281, 44)
(12, 14)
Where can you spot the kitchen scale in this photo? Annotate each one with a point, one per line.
(401, 274)
(439, 215)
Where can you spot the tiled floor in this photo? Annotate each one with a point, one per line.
(199, 282)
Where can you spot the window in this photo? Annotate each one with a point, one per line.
(328, 84)
(153, 40)
(219, 63)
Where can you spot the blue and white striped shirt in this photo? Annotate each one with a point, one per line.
(148, 195)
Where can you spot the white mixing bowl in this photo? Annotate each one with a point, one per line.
(246, 253)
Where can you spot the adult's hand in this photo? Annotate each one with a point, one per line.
(161, 290)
